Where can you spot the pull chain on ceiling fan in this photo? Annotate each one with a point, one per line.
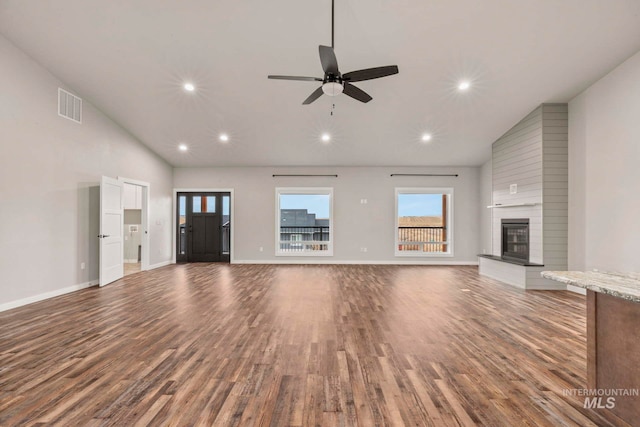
(334, 83)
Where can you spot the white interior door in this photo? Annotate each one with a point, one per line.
(111, 232)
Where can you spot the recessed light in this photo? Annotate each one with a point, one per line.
(426, 137)
(464, 85)
(183, 147)
(189, 87)
(325, 137)
(224, 137)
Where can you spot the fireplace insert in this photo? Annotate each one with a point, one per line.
(515, 239)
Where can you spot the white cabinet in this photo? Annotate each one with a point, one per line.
(132, 196)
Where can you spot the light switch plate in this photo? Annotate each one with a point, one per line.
(513, 188)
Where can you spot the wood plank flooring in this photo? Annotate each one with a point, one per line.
(131, 268)
(219, 344)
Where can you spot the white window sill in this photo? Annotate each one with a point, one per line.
(424, 254)
(305, 254)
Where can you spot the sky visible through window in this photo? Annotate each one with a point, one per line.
(419, 205)
(314, 203)
(225, 205)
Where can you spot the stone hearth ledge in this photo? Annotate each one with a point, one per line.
(620, 285)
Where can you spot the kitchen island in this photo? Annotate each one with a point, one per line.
(613, 340)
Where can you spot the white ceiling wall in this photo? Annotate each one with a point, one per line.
(131, 58)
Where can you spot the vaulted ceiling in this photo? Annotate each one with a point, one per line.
(132, 58)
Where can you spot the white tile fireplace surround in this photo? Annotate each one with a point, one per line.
(529, 181)
(525, 275)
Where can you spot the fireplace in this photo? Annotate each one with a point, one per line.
(515, 239)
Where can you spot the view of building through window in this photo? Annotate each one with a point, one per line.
(304, 222)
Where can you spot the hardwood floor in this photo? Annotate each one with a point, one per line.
(219, 344)
(131, 268)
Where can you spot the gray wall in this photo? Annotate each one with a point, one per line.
(486, 199)
(133, 216)
(555, 184)
(604, 172)
(132, 239)
(356, 225)
(50, 168)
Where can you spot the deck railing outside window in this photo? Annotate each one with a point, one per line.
(304, 239)
(422, 239)
(226, 237)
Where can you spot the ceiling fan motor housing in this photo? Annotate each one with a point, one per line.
(332, 85)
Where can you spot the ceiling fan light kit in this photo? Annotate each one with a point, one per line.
(334, 83)
(332, 88)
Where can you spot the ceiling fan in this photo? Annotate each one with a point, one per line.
(334, 83)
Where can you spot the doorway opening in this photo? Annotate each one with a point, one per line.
(133, 230)
(203, 227)
(124, 225)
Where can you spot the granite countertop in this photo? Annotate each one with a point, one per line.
(620, 285)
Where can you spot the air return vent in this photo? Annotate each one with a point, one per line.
(69, 106)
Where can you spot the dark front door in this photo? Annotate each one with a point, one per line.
(204, 227)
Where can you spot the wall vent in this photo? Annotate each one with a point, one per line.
(69, 106)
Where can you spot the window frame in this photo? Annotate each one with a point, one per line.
(448, 191)
(304, 191)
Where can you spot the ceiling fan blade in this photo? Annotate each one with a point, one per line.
(328, 60)
(371, 73)
(315, 95)
(306, 79)
(356, 93)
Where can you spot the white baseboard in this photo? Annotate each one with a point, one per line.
(160, 264)
(339, 262)
(58, 292)
(577, 290)
(131, 261)
(46, 295)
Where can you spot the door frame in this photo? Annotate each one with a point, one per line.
(146, 192)
(174, 217)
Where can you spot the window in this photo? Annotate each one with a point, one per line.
(226, 225)
(304, 224)
(182, 224)
(205, 204)
(423, 222)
